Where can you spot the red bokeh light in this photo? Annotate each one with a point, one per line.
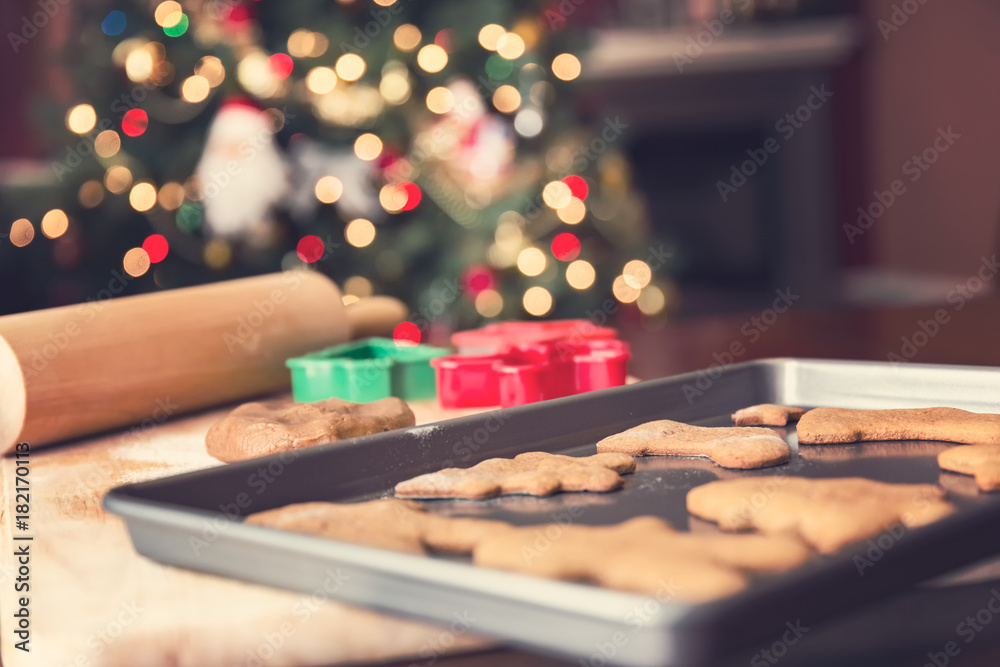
(566, 247)
(478, 278)
(577, 186)
(444, 39)
(135, 122)
(406, 333)
(156, 247)
(412, 195)
(310, 249)
(281, 65)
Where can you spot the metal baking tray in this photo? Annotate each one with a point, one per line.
(192, 520)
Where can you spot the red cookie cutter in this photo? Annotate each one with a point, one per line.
(532, 372)
(495, 338)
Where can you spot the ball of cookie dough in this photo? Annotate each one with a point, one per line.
(267, 427)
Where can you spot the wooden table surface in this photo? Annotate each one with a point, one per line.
(94, 602)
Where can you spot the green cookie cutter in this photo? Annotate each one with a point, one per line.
(364, 371)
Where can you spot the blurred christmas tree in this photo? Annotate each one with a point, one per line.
(425, 150)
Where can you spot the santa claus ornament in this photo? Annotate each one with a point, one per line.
(241, 173)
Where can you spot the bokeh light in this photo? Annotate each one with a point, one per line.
(310, 249)
(281, 65)
(367, 146)
(531, 261)
(212, 69)
(537, 301)
(21, 232)
(651, 300)
(107, 143)
(432, 58)
(566, 66)
(171, 196)
(81, 119)
(556, 194)
(156, 247)
(142, 197)
(195, 89)
(178, 28)
(359, 233)
(392, 197)
(395, 87)
(329, 189)
(489, 303)
(580, 274)
(565, 247)
(577, 186)
(406, 334)
(90, 194)
(528, 123)
(117, 179)
(506, 99)
(54, 223)
(510, 46)
(321, 80)
(573, 212)
(637, 274)
(114, 23)
(489, 35)
(359, 286)
(301, 43)
(623, 291)
(139, 64)
(135, 262)
(167, 13)
(350, 67)
(217, 254)
(407, 37)
(440, 100)
(135, 122)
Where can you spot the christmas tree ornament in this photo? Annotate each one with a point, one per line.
(241, 174)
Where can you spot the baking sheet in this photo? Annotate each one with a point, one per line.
(192, 520)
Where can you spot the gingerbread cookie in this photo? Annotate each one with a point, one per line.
(824, 426)
(642, 555)
(398, 525)
(729, 447)
(256, 429)
(767, 414)
(826, 513)
(531, 473)
(981, 461)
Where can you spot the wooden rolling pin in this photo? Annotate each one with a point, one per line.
(77, 370)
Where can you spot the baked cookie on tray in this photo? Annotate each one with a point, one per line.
(826, 513)
(729, 447)
(267, 427)
(824, 426)
(531, 473)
